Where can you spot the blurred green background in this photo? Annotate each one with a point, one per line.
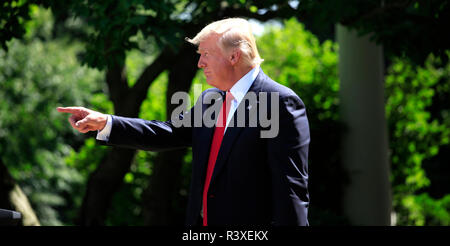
(126, 57)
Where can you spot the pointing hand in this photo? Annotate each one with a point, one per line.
(84, 120)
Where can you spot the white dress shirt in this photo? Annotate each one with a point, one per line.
(238, 90)
(104, 134)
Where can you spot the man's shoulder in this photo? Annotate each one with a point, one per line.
(269, 85)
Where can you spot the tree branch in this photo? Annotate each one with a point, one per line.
(402, 4)
(283, 11)
(117, 83)
(151, 72)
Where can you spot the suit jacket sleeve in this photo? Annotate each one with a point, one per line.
(288, 160)
(150, 135)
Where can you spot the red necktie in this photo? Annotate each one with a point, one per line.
(215, 146)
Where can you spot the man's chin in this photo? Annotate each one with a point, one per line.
(211, 83)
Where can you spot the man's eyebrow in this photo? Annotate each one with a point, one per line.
(200, 50)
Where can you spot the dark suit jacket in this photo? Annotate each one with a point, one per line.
(256, 181)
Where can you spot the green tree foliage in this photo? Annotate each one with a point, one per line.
(419, 125)
(408, 29)
(114, 24)
(35, 78)
(13, 15)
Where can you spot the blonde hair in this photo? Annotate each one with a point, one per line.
(234, 33)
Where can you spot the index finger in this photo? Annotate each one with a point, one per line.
(71, 110)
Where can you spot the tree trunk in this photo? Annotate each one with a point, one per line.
(13, 198)
(162, 197)
(367, 199)
(102, 185)
(108, 176)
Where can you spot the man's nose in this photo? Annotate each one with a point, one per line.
(201, 63)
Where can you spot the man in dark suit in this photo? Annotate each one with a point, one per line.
(245, 171)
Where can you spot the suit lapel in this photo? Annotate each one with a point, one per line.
(232, 133)
(203, 154)
(205, 138)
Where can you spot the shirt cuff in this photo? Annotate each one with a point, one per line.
(103, 135)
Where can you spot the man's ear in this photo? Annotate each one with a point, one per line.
(235, 56)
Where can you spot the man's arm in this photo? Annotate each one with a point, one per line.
(129, 132)
(288, 160)
(150, 135)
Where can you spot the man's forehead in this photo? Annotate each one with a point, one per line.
(204, 46)
(208, 42)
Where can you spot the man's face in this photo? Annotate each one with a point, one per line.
(215, 65)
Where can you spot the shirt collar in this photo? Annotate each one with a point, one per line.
(243, 85)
